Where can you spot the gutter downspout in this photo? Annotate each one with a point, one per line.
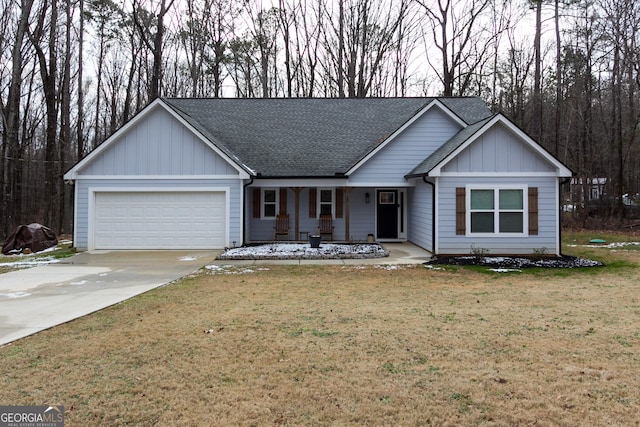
(563, 182)
(244, 219)
(433, 215)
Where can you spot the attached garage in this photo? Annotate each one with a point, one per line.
(157, 183)
(159, 220)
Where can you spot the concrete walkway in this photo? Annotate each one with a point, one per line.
(39, 298)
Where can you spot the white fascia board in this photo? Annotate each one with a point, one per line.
(497, 174)
(561, 170)
(158, 177)
(432, 104)
(163, 189)
(72, 174)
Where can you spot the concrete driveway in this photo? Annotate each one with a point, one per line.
(38, 298)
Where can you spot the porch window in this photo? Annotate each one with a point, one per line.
(496, 210)
(326, 201)
(269, 202)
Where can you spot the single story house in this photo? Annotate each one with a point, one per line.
(441, 172)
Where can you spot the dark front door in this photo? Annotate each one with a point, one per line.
(387, 205)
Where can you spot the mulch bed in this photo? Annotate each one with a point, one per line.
(516, 262)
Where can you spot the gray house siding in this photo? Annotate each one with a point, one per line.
(545, 240)
(420, 218)
(159, 145)
(389, 166)
(84, 186)
(361, 225)
(497, 150)
(363, 215)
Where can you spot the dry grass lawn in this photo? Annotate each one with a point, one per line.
(335, 345)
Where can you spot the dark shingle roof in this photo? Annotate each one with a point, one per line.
(313, 137)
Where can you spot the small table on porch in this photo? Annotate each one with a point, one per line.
(303, 235)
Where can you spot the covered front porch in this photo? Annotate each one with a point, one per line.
(356, 214)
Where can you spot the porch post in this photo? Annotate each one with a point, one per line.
(296, 191)
(347, 210)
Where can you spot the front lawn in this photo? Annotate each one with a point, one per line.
(349, 345)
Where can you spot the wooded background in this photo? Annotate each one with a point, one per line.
(73, 72)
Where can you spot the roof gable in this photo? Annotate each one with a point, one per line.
(414, 141)
(458, 147)
(432, 105)
(156, 142)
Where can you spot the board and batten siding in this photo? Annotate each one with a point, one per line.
(548, 218)
(158, 145)
(389, 165)
(420, 215)
(84, 186)
(497, 150)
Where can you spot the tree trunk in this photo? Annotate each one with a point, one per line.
(80, 104)
(536, 121)
(11, 143)
(341, 55)
(65, 121)
(558, 121)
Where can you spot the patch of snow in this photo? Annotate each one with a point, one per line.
(82, 282)
(187, 258)
(613, 245)
(621, 244)
(15, 295)
(231, 269)
(305, 251)
(389, 267)
(30, 263)
(505, 270)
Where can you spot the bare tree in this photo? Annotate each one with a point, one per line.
(536, 122)
(105, 15)
(11, 148)
(455, 29)
(264, 32)
(44, 39)
(366, 36)
(153, 40)
(80, 148)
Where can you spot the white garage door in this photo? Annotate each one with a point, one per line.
(159, 220)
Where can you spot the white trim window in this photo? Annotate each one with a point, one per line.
(269, 207)
(326, 201)
(497, 210)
